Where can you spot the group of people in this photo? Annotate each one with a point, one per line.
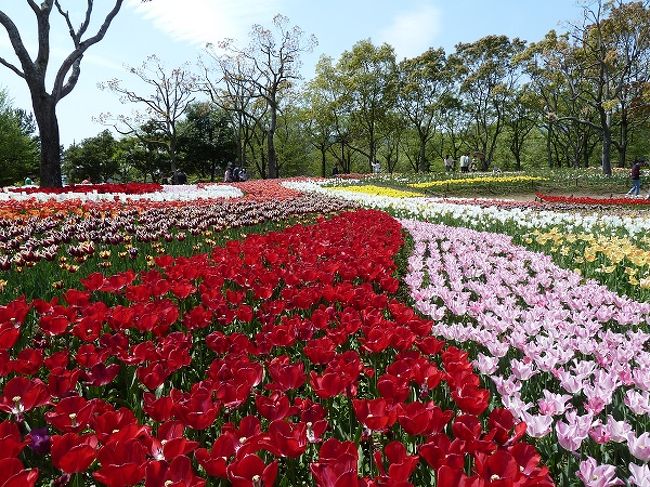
(466, 163)
(235, 174)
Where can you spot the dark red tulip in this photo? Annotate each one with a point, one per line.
(14, 474)
(73, 453)
(251, 471)
(21, 394)
(375, 414)
(289, 439)
(122, 463)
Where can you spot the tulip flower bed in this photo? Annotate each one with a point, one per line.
(125, 188)
(36, 253)
(120, 194)
(621, 263)
(568, 357)
(513, 221)
(375, 190)
(260, 190)
(282, 359)
(585, 200)
(475, 181)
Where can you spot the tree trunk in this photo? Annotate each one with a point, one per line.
(48, 128)
(372, 149)
(172, 157)
(273, 162)
(517, 154)
(606, 162)
(422, 156)
(549, 150)
(323, 161)
(622, 146)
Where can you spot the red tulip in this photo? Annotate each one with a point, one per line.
(71, 414)
(320, 350)
(275, 406)
(288, 439)
(122, 463)
(470, 399)
(14, 474)
(285, 375)
(500, 424)
(73, 453)
(251, 471)
(62, 382)
(28, 362)
(423, 419)
(375, 414)
(216, 460)
(337, 465)
(21, 395)
(440, 451)
(396, 389)
(178, 473)
(11, 441)
(400, 465)
(158, 409)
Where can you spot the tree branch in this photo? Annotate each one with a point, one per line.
(18, 45)
(7, 64)
(75, 56)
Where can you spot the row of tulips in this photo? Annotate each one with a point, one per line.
(497, 218)
(481, 180)
(115, 195)
(372, 189)
(42, 203)
(282, 358)
(26, 241)
(620, 262)
(586, 200)
(126, 188)
(568, 357)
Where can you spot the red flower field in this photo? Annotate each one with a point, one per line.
(280, 358)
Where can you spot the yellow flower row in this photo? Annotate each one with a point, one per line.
(488, 179)
(606, 252)
(377, 191)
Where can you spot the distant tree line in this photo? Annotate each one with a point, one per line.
(572, 99)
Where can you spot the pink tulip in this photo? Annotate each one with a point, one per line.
(640, 475)
(594, 475)
(639, 446)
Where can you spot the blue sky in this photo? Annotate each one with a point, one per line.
(177, 30)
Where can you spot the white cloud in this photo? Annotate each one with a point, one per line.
(201, 21)
(413, 32)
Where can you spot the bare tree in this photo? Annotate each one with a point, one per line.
(230, 92)
(273, 63)
(172, 94)
(34, 71)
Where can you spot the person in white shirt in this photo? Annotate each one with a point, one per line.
(464, 162)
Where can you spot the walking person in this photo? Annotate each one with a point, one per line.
(635, 175)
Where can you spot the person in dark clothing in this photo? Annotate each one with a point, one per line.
(635, 175)
(181, 177)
